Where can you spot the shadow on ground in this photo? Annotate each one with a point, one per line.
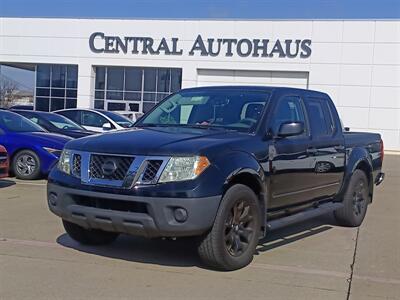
(182, 252)
(6, 183)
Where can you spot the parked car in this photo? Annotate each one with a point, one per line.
(3, 162)
(222, 164)
(32, 150)
(55, 123)
(21, 106)
(96, 119)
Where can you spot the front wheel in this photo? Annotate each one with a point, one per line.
(231, 243)
(355, 201)
(26, 165)
(89, 236)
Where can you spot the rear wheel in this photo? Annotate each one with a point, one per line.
(355, 201)
(89, 236)
(26, 165)
(231, 243)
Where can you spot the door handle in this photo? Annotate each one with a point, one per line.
(312, 150)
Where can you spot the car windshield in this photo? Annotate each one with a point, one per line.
(119, 119)
(16, 123)
(224, 108)
(61, 122)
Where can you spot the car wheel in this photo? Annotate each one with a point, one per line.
(89, 236)
(231, 242)
(26, 165)
(355, 201)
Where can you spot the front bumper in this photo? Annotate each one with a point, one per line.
(135, 215)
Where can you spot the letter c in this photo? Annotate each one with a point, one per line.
(91, 42)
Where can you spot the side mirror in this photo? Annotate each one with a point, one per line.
(290, 129)
(107, 126)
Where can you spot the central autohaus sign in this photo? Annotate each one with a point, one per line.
(101, 43)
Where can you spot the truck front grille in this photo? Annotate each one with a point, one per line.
(76, 165)
(109, 166)
(153, 166)
(120, 171)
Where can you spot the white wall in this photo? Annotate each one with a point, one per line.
(356, 62)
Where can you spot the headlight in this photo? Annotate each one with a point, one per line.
(64, 163)
(56, 152)
(184, 168)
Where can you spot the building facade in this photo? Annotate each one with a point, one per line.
(129, 65)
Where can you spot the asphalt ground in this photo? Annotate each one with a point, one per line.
(313, 260)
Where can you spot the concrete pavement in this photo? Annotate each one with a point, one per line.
(314, 260)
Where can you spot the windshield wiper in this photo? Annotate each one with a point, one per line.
(198, 126)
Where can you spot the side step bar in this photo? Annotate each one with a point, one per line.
(303, 215)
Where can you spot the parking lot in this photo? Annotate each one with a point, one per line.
(313, 260)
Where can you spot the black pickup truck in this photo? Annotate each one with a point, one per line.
(224, 165)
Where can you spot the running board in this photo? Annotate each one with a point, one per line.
(303, 215)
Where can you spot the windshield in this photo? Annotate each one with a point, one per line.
(17, 123)
(117, 118)
(225, 108)
(62, 122)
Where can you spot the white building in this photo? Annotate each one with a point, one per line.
(131, 64)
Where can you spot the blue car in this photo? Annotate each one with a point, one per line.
(32, 150)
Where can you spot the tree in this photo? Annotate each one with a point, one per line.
(8, 92)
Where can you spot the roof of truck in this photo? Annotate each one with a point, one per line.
(255, 88)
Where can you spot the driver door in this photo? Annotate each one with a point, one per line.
(290, 160)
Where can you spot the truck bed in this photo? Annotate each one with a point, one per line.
(357, 139)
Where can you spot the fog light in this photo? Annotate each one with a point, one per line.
(180, 215)
(53, 199)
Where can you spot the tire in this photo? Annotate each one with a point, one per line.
(355, 201)
(231, 243)
(26, 165)
(89, 236)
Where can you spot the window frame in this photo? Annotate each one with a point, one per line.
(52, 93)
(331, 127)
(156, 96)
(307, 130)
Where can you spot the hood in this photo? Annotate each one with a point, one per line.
(46, 139)
(156, 141)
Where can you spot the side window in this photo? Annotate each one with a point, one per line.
(92, 119)
(289, 109)
(73, 115)
(320, 117)
(33, 119)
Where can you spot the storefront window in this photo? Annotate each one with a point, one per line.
(135, 89)
(56, 87)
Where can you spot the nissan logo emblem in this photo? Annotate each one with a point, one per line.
(109, 167)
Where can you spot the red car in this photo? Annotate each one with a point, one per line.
(3, 162)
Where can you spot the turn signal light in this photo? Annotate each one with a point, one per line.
(201, 164)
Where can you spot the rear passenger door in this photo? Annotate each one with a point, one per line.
(327, 153)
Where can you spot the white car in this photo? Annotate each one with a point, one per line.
(96, 120)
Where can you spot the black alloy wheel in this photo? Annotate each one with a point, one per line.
(232, 240)
(239, 228)
(355, 201)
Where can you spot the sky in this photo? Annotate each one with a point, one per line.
(203, 9)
